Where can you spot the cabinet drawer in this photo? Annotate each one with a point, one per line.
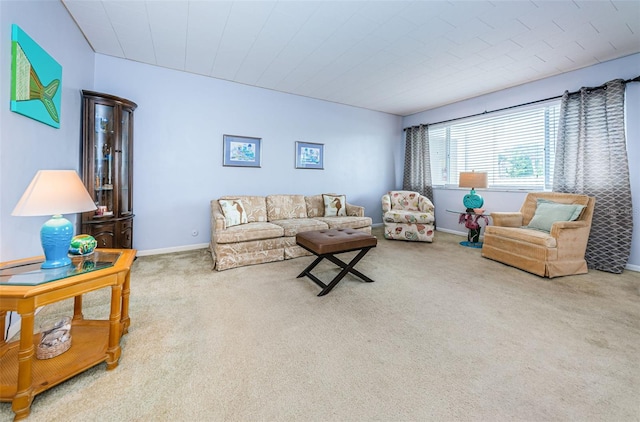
(103, 233)
(125, 233)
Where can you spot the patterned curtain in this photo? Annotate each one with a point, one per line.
(591, 158)
(417, 164)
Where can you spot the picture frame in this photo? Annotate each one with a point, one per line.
(241, 151)
(309, 155)
(36, 80)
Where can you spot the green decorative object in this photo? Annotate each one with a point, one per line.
(82, 244)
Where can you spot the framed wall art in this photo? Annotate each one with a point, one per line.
(241, 151)
(309, 155)
(36, 80)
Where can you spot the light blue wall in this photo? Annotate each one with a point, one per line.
(624, 68)
(26, 145)
(179, 125)
(178, 138)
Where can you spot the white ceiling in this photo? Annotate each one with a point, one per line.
(399, 57)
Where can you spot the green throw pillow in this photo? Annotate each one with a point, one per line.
(548, 212)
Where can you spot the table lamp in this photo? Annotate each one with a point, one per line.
(473, 179)
(55, 192)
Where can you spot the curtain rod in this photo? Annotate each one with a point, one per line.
(636, 79)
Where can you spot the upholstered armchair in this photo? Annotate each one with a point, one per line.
(547, 237)
(408, 215)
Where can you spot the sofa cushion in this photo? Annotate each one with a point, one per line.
(233, 212)
(346, 222)
(284, 207)
(315, 206)
(294, 226)
(334, 205)
(548, 212)
(527, 236)
(254, 206)
(249, 231)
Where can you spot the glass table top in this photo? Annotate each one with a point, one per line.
(30, 273)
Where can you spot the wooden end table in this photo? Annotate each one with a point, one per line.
(24, 287)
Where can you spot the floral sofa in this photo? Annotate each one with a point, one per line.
(248, 230)
(407, 215)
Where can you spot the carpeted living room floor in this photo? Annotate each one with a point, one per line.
(443, 334)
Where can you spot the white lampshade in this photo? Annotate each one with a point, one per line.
(473, 179)
(54, 192)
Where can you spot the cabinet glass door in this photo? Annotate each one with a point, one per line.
(124, 194)
(103, 164)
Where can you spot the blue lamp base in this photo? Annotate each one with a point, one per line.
(55, 236)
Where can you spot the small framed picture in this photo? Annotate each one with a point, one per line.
(309, 155)
(241, 151)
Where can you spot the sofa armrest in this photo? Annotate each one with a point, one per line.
(559, 225)
(507, 219)
(571, 238)
(355, 210)
(218, 222)
(386, 203)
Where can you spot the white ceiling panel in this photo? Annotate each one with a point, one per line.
(399, 57)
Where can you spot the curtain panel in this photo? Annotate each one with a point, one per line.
(417, 162)
(591, 158)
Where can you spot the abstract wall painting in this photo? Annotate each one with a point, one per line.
(36, 80)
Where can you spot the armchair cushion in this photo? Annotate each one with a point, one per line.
(404, 216)
(404, 200)
(547, 212)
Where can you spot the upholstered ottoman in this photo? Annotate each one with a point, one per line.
(327, 243)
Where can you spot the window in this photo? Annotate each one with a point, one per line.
(516, 147)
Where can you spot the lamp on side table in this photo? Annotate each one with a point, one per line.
(55, 192)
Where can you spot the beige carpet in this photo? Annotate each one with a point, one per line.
(443, 334)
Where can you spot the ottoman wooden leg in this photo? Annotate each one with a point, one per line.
(346, 268)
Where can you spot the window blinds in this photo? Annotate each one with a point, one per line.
(515, 147)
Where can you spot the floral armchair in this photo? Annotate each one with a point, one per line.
(408, 215)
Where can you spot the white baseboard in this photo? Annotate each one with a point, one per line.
(632, 267)
(456, 232)
(172, 250)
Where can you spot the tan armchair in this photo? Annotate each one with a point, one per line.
(557, 252)
(407, 215)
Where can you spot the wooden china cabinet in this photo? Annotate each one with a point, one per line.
(107, 168)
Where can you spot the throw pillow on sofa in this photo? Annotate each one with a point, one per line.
(335, 205)
(233, 210)
(548, 212)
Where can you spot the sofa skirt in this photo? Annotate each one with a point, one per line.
(231, 255)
